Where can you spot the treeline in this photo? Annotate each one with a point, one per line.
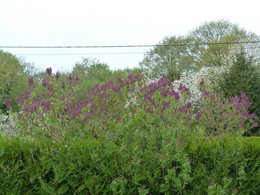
(209, 45)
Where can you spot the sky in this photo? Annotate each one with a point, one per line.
(109, 22)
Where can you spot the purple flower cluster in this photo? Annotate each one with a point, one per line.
(49, 71)
(107, 102)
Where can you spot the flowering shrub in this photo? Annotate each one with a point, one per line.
(8, 124)
(192, 80)
(230, 116)
(45, 106)
(52, 109)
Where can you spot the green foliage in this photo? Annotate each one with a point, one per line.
(13, 79)
(225, 118)
(191, 52)
(228, 166)
(169, 61)
(219, 32)
(243, 76)
(160, 165)
(91, 72)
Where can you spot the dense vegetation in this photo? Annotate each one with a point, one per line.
(173, 126)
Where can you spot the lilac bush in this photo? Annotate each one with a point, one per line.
(51, 108)
(230, 116)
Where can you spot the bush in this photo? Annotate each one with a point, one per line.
(243, 77)
(8, 124)
(52, 111)
(227, 166)
(154, 163)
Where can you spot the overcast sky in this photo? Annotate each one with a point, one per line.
(109, 22)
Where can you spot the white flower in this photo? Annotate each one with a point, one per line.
(8, 124)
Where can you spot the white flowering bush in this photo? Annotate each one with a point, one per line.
(8, 124)
(192, 80)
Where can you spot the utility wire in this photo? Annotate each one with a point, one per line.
(71, 54)
(125, 46)
(104, 53)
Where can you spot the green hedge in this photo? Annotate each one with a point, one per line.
(229, 166)
(100, 167)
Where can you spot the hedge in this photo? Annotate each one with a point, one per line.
(89, 166)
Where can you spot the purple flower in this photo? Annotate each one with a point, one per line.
(164, 92)
(20, 100)
(132, 78)
(69, 106)
(234, 99)
(49, 71)
(77, 78)
(183, 88)
(8, 103)
(208, 94)
(186, 107)
(26, 94)
(46, 105)
(75, 112)
(202, 82)
(166, 105)
(148, 97)
(35, 106)
(163, 82)
(30, 81)
(57, 75)
(44, 83)
(27, 108)
(175, 94)
(152, 87)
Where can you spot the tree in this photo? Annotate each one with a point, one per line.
(219, 32)
(92, 69)
(243, 77)
(168, 60)
(91, 72)
(13, 79)
(204, 46)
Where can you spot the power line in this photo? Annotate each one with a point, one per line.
(126, 46)
(102, 53)
(71, 54)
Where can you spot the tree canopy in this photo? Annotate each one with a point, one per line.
(13, 80)
(207, 45)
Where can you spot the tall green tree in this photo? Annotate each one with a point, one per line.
(204, 46)
(12, 78)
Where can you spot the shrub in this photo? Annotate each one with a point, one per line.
(52, 110)
(226, 166)
(243, 77)
(160, 165)
(225, 117)
(8, 124)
